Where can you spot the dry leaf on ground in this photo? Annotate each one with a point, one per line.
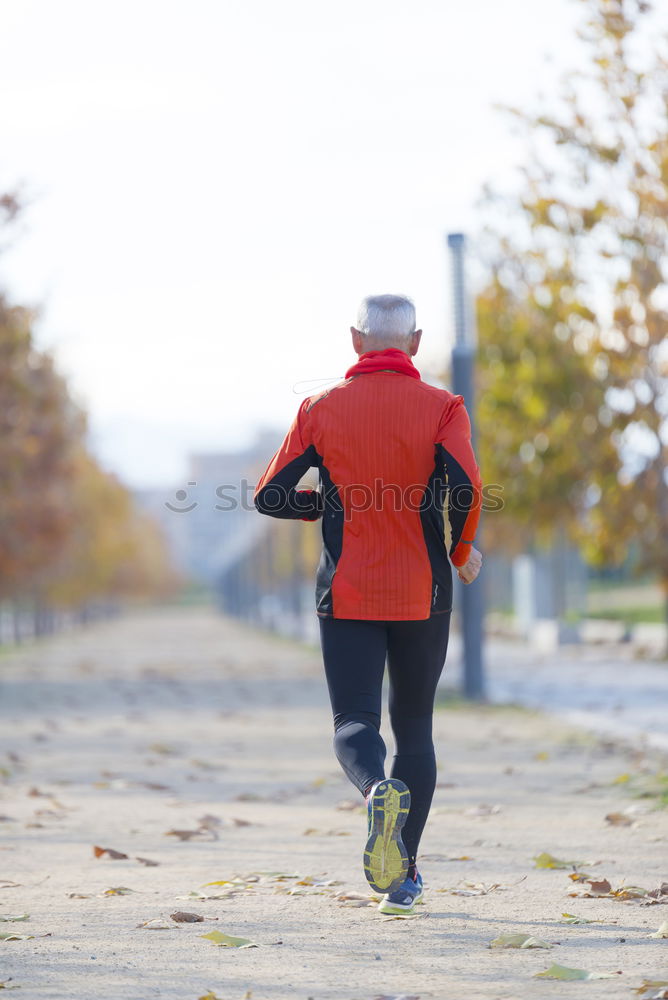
(650, 984)
(518, 941)
(545, 860)
(619, 819)
(659, 895)
(156, 924)
(662, 931)
(603, 890)
(570, 918)
(445, 857)
(185, 917)
(8, 916)
(110, 852)
(228, 941)
(563, 972)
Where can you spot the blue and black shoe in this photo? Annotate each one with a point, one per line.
(401, 901)
(385, 856)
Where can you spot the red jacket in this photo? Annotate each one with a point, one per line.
(389, 448)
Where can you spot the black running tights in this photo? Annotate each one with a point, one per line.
(354, 654)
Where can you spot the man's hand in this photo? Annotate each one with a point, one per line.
(469, 571)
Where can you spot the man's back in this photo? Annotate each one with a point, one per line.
(382, 440)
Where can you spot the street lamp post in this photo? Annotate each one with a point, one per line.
(463, 365)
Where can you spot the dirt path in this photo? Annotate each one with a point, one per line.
(118, 735)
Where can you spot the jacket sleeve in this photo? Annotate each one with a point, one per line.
(454, 450)
(275, 494)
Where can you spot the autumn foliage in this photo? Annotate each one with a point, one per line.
(69, 531)
(574, 351)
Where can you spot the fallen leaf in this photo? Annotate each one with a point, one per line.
(599, 888)
(629, 892)
(4, 986)
(479, 888)
(518, 941)
(650, 984)
(7, 917)
(402, 916)
(184, 917)
(147, 861)
(164, 748)
(185, 834)
(6, 883)
(79, 895)
(570, 918)
(118, 890)
(355, 897)
(541, 755)
(227, 941)
(157, 924)
(619, 819)
(659, 895)
(563, 972)
(11, 936)
(225, 881)
(662, 931)
(445, 857)
(621, 779)
(545, 860)
(579, 876)
(110, 852)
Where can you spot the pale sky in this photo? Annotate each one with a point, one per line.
(214, 185)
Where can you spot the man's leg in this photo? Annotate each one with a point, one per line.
(416, 654)
(354, 656)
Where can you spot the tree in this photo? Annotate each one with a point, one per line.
(574, 318)
(39, 430)
(69, 531)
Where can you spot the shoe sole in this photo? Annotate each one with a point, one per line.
(385, 856)
(392, 909)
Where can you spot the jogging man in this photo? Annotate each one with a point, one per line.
(390, 449)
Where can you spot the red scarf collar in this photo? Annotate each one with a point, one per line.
(391, 359)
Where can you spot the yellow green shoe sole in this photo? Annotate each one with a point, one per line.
(392, 909)
(385, 856)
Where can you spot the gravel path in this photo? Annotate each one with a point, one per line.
(177, 720)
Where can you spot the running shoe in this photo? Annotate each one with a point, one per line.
(403, 899)
(385, 856)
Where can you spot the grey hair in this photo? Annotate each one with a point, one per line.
(388, 320)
